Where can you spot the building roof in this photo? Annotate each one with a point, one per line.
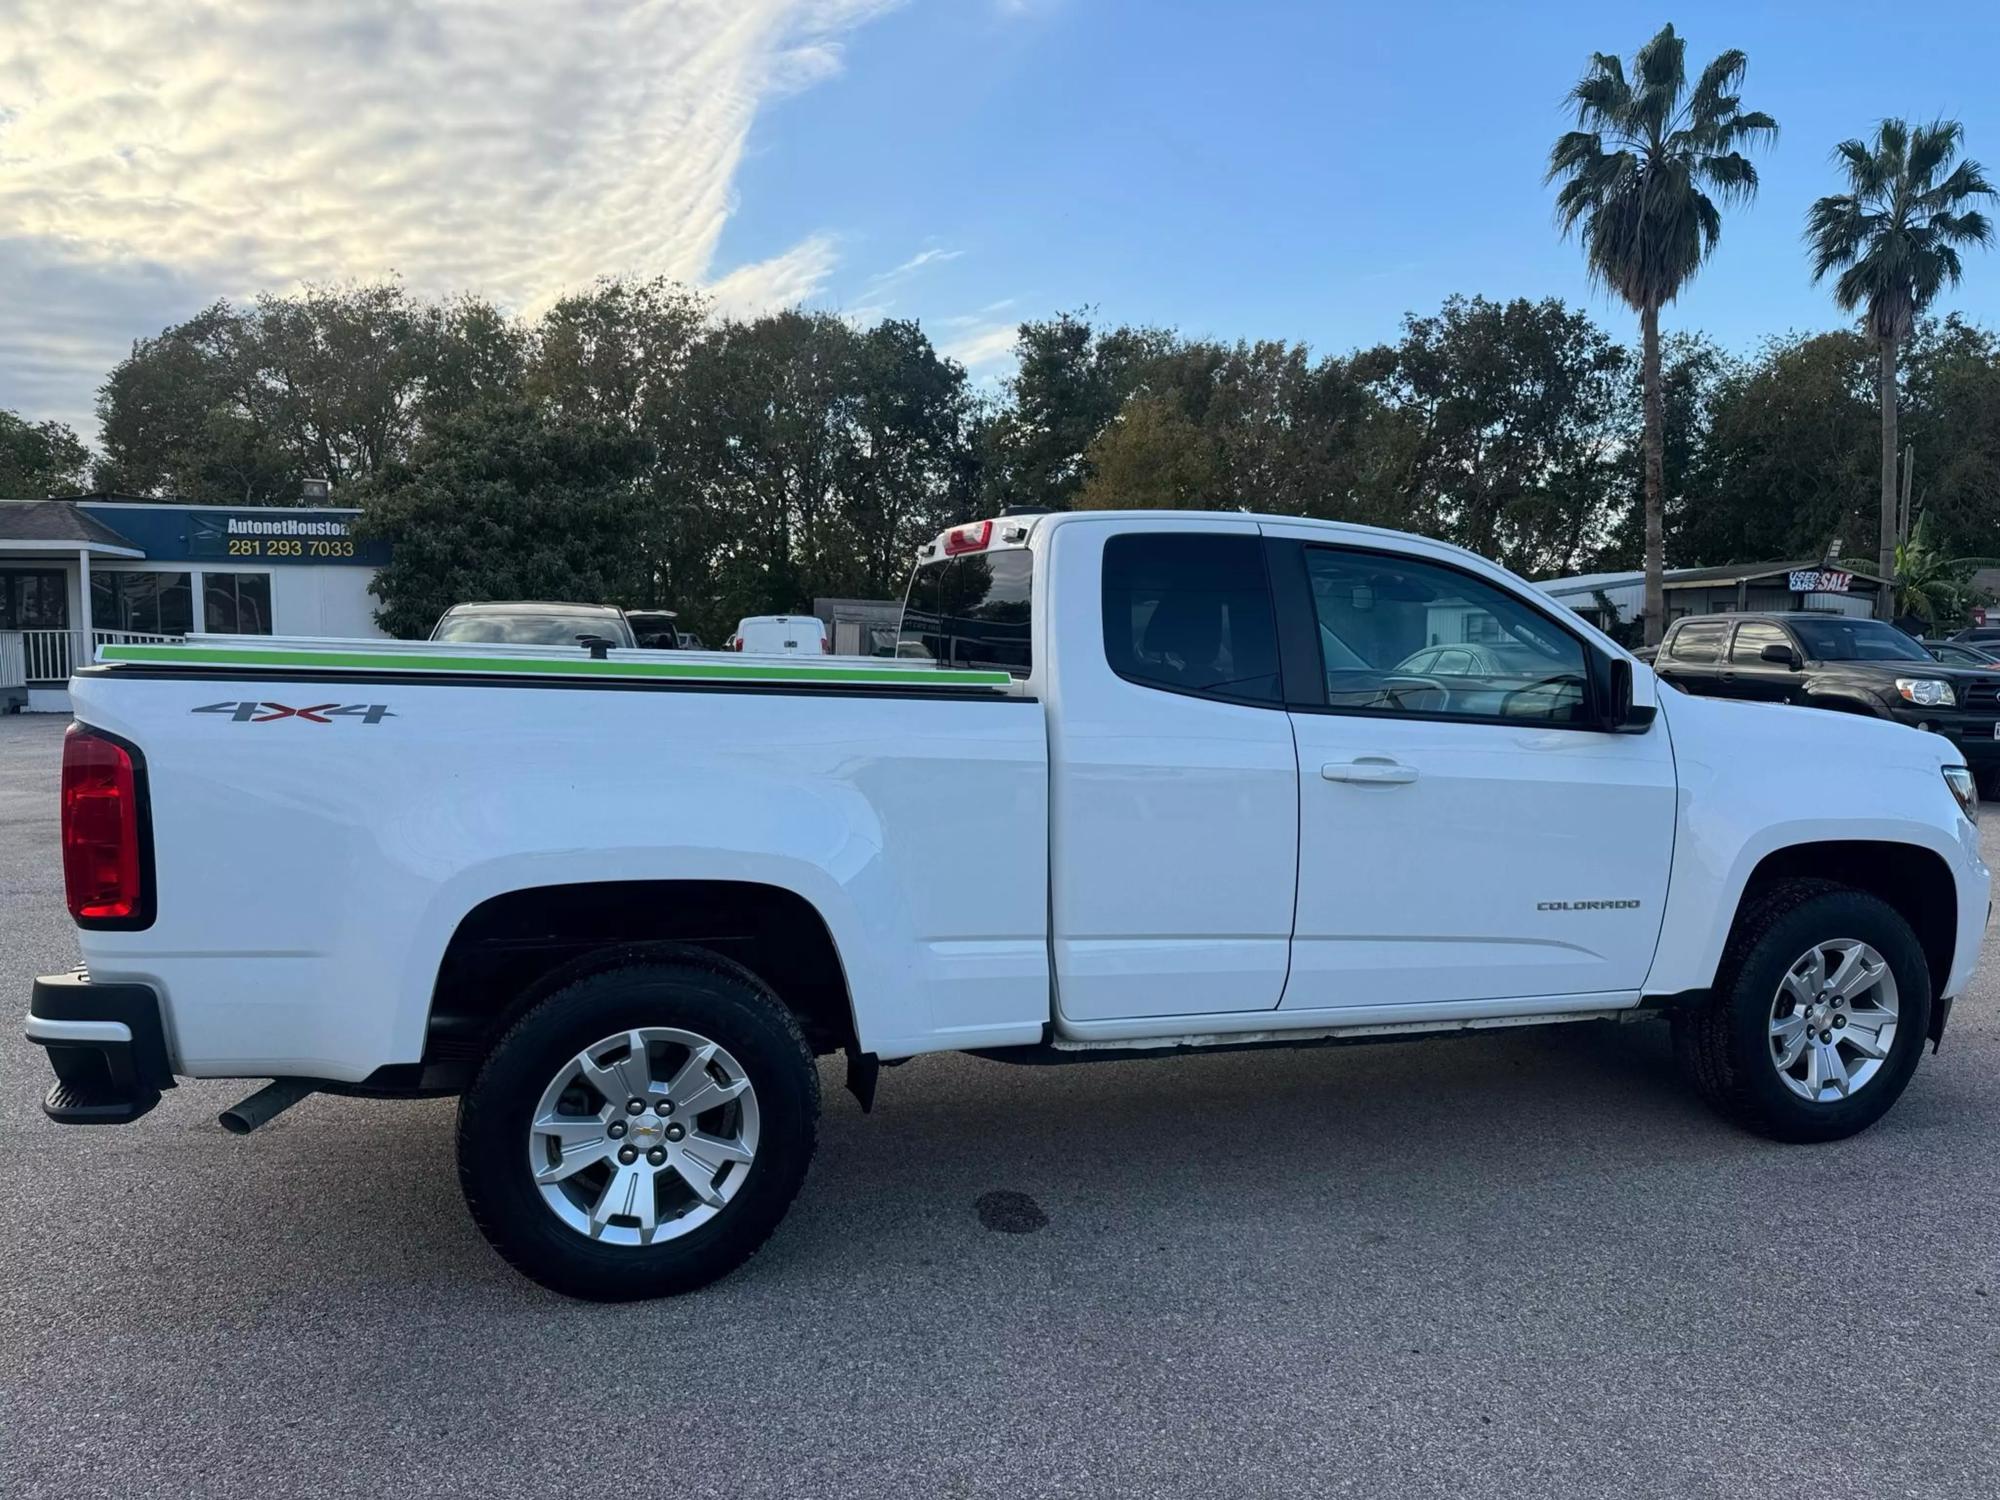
(1683, 578)
(43, 521)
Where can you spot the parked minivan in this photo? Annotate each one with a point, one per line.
(781, 635)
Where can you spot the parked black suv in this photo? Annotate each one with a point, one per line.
(1832, 661)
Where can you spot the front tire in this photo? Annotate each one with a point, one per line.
(1817, 1018)
(641, 1131)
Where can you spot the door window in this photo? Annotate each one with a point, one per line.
(1190, 612)
(1752, 636)
(1382, 620)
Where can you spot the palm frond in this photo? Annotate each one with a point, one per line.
(1863, 171)
(1896, 238)
(1835, 229)
(1711, 96)
(1892, 147)
(1967, 180)
(1635, 182)
(1931, 147)
(1731, 175)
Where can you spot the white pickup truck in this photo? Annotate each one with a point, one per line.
(1137, 783)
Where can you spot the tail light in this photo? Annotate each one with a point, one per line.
(104, 862)
(736, 643)
(825, 646)
(976, 537)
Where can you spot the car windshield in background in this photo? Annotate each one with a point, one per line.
(512, 629)
(1856, 640)
(970, 611)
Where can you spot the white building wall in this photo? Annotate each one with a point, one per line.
(308, 600)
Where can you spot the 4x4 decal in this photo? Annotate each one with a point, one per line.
(318, 713)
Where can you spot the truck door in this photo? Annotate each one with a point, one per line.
(1173, 795)
(1463, 838)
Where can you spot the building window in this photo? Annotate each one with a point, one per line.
(35, 599)
(236, 603)
(152, 603)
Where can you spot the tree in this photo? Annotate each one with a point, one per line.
(1931, 585)
(1515, 412)
(505, 501)
(39, 459)
(1638, 174)
(238, 406)
(1951, 429)
(1786, 454)
(1894, 236)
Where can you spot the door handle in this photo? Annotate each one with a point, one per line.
(1374, 770)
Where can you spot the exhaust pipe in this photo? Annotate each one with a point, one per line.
(274, 1098)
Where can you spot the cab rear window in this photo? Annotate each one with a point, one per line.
(971, 611)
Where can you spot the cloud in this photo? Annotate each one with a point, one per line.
(981, 345)
(155, 154)
(918, 261)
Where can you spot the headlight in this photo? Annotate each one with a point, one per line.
(1965, 789)
(1926, 691)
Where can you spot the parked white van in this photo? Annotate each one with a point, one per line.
(781, 635)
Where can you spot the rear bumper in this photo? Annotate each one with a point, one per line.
(106, 1044)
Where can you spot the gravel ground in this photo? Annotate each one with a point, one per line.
(1504, 1265)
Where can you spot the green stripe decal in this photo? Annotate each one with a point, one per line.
(224, 656)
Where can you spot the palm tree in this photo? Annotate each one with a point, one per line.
(1895, 237)
(1642, 174)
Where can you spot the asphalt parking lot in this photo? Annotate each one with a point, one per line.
(1506, 1265)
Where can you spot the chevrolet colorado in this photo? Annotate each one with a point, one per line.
(1136, 783)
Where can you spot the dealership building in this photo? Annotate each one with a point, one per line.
(80, 573)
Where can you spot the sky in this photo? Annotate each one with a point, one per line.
(1294, 169)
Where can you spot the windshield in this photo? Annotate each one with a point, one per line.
(513, 629)
(1855, 640)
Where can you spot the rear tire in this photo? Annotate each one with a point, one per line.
(536, 1107)
(1735, 1045)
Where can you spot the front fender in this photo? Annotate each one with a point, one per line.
(1756, 779)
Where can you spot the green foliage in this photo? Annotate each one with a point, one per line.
(628, 446)
(1650, 163)
(240, 405)
(1643, 177)
(39, 459)
(505, 501)
(1931, 585)
(1786, 464)
(1895, 234)
(1515, 413)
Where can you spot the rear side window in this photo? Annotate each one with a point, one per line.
(1702, 642)
(971, 611)
(1191, 613)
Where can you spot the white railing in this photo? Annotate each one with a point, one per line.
(13, 660)
(48, 654)
(51, 655)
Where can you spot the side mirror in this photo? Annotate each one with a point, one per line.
(1618, 714)
(1784, 656)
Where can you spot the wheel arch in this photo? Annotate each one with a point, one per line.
(1914, 881)
(517, 946)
